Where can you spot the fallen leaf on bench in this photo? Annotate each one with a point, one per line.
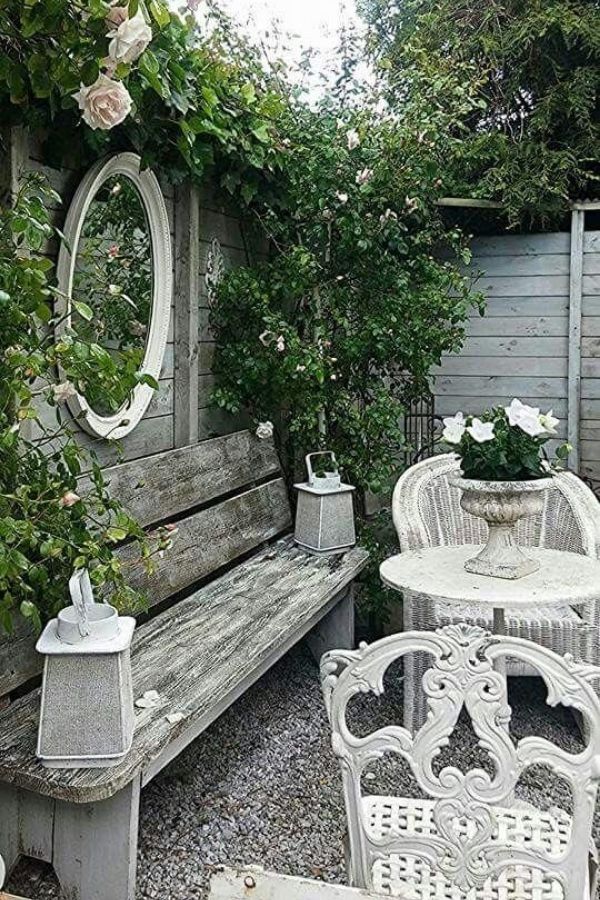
(173, 718)
(149, 700)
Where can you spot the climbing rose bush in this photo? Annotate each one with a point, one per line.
(51, 520)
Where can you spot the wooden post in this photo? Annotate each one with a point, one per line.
(13, 162)
(575, 303)
(187, 301)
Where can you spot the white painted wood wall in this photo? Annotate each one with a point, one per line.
(521, 347)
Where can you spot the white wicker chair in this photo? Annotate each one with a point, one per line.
(427, 513)
(469, 839)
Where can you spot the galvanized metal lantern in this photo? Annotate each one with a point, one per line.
(86, 717)
(325, 513)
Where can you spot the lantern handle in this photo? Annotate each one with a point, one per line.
(82, 596)
(309, 468)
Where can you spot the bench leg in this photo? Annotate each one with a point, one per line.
(25, 825)
(95, 846)
(335, 631)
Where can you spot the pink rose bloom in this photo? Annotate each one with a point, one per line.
(69, 499)
(114, 251)
(104, 104)
(129, 39)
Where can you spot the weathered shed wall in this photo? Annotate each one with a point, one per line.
(196, 218)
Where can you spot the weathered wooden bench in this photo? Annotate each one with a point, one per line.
(230, 504)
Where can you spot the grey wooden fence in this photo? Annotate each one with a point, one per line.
(539, 339)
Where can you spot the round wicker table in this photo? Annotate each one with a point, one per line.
(439, 573)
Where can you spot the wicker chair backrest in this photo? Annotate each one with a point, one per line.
(427, 512)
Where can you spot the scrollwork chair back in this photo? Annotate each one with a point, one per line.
(469, 839)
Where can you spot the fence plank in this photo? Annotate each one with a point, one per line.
(187, 287)
(521, 244)
(511, 325)
(503, 366)
(529, 346)
(521, 265)
(500, 386)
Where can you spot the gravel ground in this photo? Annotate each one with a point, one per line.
(261, 786)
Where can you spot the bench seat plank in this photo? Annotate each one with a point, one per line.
(196, 655)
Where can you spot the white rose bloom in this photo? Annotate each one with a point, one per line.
(129, 39)
(343, 198)
(353, 139)
(364, 176)
(454, 429)
(265, 431)
(116, 15)
(104, 104)
(481, 431)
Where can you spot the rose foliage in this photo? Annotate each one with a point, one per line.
(50, 521)
(337, 332)
(199, 101)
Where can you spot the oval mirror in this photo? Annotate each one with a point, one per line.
(115, 277)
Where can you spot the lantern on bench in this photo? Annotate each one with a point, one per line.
(325, 512)
(86, 716)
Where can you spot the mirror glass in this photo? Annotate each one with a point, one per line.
(113, 275)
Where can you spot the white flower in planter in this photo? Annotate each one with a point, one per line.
(481, 431)
(265, 431)
(104, 104)
(454, 428)
(527, 418)
(343, 198)
(129, 39)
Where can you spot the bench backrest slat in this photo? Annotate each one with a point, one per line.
(213, 538)
(209, 490)
(159, 488)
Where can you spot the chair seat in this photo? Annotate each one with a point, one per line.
(413, 879)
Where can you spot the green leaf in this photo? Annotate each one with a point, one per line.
(261, 133)
(30, 611)
(86, 312)
(115, 534)
(145, 378)
(160, 13)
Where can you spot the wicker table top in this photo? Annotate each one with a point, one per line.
(563, 578)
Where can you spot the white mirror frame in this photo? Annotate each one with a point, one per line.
(123, 421)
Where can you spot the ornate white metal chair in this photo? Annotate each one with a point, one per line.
(427, 513)
(468, 840)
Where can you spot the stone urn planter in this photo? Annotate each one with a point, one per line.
(501, 504)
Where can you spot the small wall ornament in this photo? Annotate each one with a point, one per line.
(86, 716)
(325, 513)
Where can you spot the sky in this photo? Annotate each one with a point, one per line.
(310, 23)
